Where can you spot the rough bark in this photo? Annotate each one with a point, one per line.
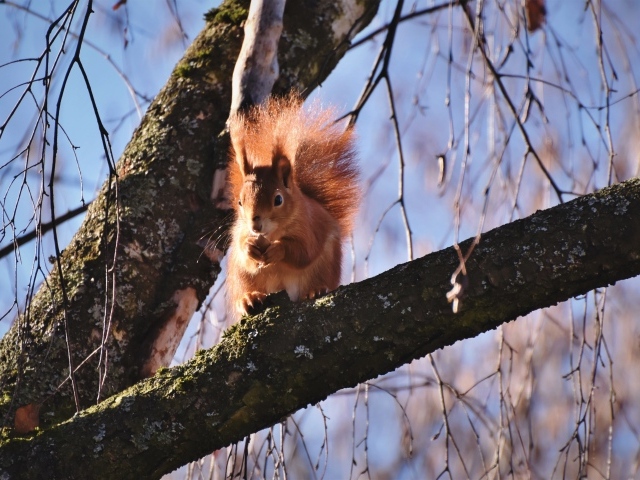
(292, 355)
(166, 206)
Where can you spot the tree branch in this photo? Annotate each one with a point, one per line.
(134, 272)
(292, 355)
(44, 228)
(257, 67)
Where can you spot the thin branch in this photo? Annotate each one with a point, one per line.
(43, 228)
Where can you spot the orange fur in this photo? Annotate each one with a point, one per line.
(293, 242)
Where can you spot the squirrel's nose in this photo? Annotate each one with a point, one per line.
(256, 224)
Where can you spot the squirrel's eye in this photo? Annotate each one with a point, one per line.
(240, 202)
(277, 201)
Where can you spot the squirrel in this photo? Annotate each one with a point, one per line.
(293, 182)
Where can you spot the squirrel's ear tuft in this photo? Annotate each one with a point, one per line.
(243, 161)
(240, 156)
(237, 130)
(282, 166)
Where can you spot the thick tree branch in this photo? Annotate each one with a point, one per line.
(135, 271)
(292, 355)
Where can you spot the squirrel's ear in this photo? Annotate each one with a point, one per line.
(282, 167)
(241, 158)
(237, 129)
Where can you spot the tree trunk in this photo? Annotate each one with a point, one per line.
(292, 355)
(136, 268)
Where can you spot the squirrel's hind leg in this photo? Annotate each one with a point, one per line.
(317, 292)
(250, 302)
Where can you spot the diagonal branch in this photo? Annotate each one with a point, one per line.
(133, 275)
(293, 355)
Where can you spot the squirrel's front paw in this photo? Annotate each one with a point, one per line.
(250, 301)
(274, 253)
(256, 247)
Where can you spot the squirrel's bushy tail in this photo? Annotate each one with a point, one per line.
(321, 152)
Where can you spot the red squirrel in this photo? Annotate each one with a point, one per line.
(294, 188)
